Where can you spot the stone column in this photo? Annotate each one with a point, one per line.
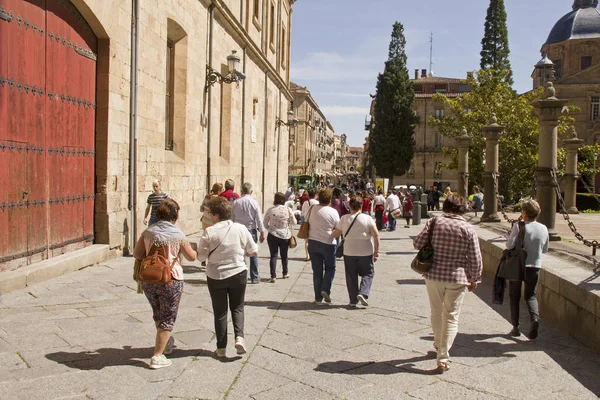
(492, 133)
(463, 142)
(572, 144)
(548, 111)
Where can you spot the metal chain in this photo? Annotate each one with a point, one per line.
(589, 189)
(563, 210)
(499, 201)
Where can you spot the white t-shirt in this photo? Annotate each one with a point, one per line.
(359, 241)
(307, 205)
(322, 219)
(379, 200)
(392, 202)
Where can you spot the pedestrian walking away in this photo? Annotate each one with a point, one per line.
(164, 298)
(535, 243)
(361, 251)
(154, 200)
(407, 209)
(379, 203)
(321, 245)
(278, 222)
(392, 203)
(457, 267)
(224, 246)
(246, 211)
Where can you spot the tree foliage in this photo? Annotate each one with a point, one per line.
(391, 141)
(518, 146)
(494, 45)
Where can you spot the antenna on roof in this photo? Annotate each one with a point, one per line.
(431, 55)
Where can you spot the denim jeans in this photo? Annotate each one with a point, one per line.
(322, 258)
(391, 221)
(254, 260)
(359, 266)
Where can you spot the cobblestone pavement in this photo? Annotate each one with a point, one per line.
(89, 335)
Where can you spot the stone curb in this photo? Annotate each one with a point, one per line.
(52, 268)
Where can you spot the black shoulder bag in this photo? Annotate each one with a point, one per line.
(423, 261)
(512, 263)
(339, 252)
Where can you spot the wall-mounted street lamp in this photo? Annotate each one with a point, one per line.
(291, 121)
(233, 64)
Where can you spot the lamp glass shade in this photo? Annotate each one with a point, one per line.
(233, 62)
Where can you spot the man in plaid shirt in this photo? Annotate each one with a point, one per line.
(457, 267)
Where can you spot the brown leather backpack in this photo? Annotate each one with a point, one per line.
(155, 268)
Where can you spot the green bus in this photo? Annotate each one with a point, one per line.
(300, 181)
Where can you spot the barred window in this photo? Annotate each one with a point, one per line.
(594, 108)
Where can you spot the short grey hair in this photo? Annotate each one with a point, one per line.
(531, 208)
(247, 188)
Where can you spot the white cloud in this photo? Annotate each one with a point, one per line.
(343, 111)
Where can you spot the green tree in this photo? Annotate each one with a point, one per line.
(494, 45)
(491, 94)
(391, 142)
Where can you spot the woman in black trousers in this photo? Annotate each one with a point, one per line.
(278, 222)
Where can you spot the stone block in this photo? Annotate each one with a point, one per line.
(581, 324)
(578, 295)
(553, 307)
(550, 280)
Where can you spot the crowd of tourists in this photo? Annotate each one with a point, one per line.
(340, 224)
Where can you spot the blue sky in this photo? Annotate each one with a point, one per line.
(339, 46)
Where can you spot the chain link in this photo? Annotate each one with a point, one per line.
(563, 210)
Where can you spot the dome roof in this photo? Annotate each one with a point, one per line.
(581, 23)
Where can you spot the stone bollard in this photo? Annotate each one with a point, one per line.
(416, 219)
(572, 144)
(492, 133)
(463, 143)
(548, 111)
(424, 206)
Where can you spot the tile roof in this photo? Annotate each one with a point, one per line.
(430, 95)
(438, 79)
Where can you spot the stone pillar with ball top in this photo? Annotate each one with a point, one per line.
(463, 142)
(492, 133)
(572, 144)
(548, 110)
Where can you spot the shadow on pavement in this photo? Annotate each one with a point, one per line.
(410, 281)
(378, 368)
(195, 282)
(192, 269)
(401, 253)
(295, 305)
(110, 357)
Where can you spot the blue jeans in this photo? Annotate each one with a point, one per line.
(359, 266)
(391, 222)
(254, 260)
(322, 258)
(152, 220)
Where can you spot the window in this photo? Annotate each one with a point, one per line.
(557, 68)
(439, 113)
(169, 98)
(594, 108)
(586, 62)
(175, 88)
(272, 28)
(283, 47)
(438, 140)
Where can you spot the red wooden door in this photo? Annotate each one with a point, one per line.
(47, 109)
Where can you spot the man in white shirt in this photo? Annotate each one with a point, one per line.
(246, 211)
(379, 206)
(392, 203)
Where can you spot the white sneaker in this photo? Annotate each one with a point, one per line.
(159, 362)
(362, 300)
(169, 347)
(221, 353)
(240, 346)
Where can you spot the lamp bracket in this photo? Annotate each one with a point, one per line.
(212, 77)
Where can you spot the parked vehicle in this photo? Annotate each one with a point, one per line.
(301, 181)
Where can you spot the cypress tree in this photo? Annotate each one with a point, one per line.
(391, 141)
(494, 45)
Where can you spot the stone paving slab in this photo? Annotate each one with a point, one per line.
(89, 335)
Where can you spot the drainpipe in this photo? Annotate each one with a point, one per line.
(278, 143)
(265, 137)
(211, 11)
(135, 17)
(243, 116)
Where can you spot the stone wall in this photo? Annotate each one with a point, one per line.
(235, 137)
(565, 294)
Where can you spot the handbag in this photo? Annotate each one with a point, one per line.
(423, 261)
(397, 213)
(339, 252)
(303, 231)
(292, 243)
(512, 263)
(155, 269)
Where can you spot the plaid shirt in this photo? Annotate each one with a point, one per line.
(457, 258)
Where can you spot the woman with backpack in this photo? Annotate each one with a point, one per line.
(168, 240)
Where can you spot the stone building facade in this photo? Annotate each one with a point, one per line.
(427, 164)
(184, 132)
(573, 46)
(312, 150)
